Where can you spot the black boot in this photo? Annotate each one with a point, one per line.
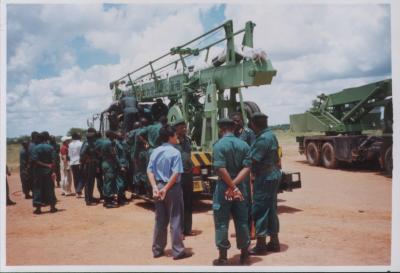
(37, 210)
(53, 209)
(108, 203)
(244, 257)
(223, 257)
(260, 248)
(28, 196)
(10, 202)
(273, 245)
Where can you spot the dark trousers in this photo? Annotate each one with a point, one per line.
(7, 190)
(169, 212)
(43, 190)
(26, 182)
(89, 174)
(58, 172)
(129, 119)
(187, 189)
(78, 181)
(99, 181)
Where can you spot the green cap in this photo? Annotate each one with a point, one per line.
(225, 121)
(178, 121)
(258, 115)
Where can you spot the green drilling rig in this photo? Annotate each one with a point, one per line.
(201, 94)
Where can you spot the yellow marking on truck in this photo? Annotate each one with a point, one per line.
(195, 162)
(204, 159)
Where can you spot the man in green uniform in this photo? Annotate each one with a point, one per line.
(24, 169)
(131, 141)
(56, 147)
(231, 161)
(43, 158)
(247, 135)
(88, 160)
(265, 160)
(148, 136)
(99, 174)
(109, 167)
(185, 147)
(242, 132)
(122, 170)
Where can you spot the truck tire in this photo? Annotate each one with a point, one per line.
(250, 108)
(312, 154)
(328, 156)
(389, 161)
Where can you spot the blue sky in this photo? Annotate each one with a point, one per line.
(59, 66)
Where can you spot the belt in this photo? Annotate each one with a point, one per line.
(263, 169)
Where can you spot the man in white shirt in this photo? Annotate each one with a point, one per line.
(74, 149)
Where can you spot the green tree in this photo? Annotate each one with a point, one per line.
(80, 131)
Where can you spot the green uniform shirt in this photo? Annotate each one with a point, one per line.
(132, 137)
(264, 153)
(23, 159)
(247, 135)
(185, 147)
(45, 153)
(152, 132)
(108, 151)
(231, 153)
(88, 152)
(121, 154)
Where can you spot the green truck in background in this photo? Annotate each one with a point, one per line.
(342, 117)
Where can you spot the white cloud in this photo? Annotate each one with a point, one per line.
(315, 48)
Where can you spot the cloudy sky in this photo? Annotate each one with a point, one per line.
(60, 58)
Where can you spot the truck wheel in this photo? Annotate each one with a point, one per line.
(328, 156)
(312, 154)
(389, 161)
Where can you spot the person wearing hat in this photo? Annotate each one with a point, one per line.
(43, 157)
(265, 168)
(231, 162)
(24, 169)
(66, 180)
(185, 147)
(89, 163)
(109, 167)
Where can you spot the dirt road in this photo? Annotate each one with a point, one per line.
(339, 217)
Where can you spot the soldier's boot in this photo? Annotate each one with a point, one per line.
(108, 203)
(260, 248)
(244, 256)
(37, 210)
(53, 209)
(273, 245)
(10, 202)
(121, 200)
(28, 196)
(223, 257)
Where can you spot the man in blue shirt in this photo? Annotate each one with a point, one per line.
(163, 171)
